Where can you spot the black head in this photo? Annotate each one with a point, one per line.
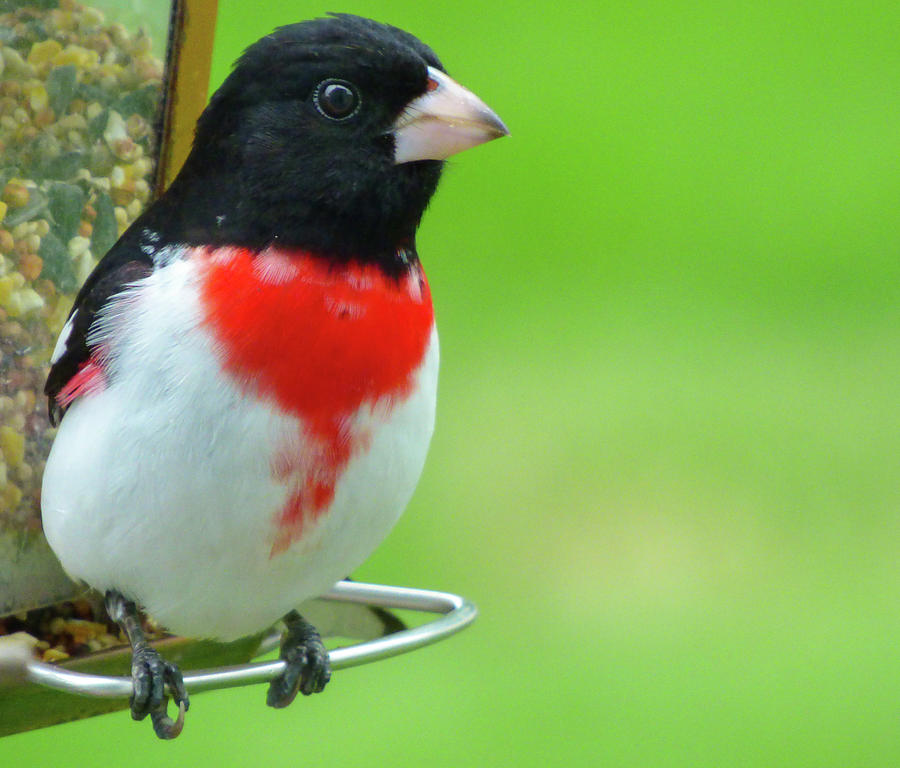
(297, 147)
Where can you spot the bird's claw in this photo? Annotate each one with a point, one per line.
(150, 674)
(164, 726)
(307, 668)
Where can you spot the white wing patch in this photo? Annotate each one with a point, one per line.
(62, 342)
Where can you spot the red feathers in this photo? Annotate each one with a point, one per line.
(320, 340)
(89, 379)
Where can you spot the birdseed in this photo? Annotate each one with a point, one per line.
(78, 108)
(72, 629)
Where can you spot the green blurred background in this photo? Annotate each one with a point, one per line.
(666, 461)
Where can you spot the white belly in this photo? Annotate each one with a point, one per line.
(161, 485)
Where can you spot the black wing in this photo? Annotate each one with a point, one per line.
(126, 262)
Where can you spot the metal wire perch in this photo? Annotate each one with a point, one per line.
(457, 613)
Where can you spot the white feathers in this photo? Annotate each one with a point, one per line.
(162, 484)
(274, 267)
(62, 342)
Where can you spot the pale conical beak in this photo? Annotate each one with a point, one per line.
(445, 120)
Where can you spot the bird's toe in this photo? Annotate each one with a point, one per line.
(307, 670)
(150, 675)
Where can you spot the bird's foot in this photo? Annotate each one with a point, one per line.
(308, 669)
(150, 672)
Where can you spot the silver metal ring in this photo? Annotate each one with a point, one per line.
(457, 614)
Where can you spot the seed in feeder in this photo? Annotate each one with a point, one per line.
(142, 166)
(48, 290)
(119, 34)
(133, 209)
(21, 249)
(125, 149)
(71, 123)
(32, 242)
(136, 126)
(78, 55)
(43, 51)
(23, 302)
(20, 230)
(122, 197)
(12, 445)
(16, 194)
(13, 61)
(31, 265)
(147, 68)
(78, 245)
(44, 118)
(54, 654)
(37, 97)
(117, 177)
(91, 17)
(93, 109)
(100, 42)
(84, 265)
(10, 496)
(25, 473)
(17, 282)
(101, 161)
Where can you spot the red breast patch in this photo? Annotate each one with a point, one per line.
(320, 340)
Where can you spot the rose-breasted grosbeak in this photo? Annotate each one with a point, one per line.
(246, 383)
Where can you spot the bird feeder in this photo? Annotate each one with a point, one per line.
(34, 693)
(98, 103)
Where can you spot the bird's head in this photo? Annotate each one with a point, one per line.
(330, 135)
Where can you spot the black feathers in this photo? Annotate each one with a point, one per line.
(267, 166)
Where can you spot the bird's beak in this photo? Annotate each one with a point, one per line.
(445, 120)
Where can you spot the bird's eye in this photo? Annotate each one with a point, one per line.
(336, 99)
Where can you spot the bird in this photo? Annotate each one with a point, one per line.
(245, 387)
